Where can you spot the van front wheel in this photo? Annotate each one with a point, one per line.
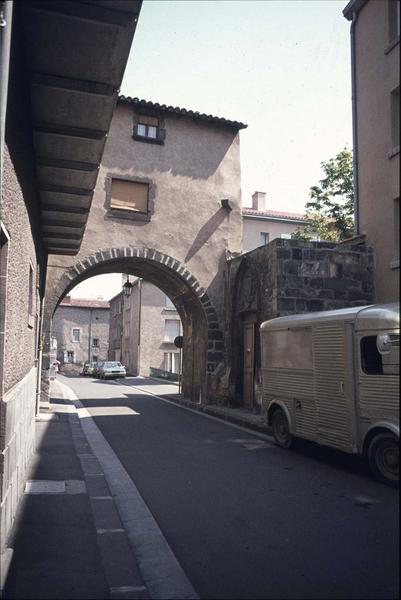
(281, 429)
(384, 458)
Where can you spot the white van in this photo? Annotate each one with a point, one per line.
(333, 377)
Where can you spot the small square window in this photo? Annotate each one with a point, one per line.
(129, 195)
(148, 128)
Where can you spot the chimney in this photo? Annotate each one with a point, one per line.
(259, 201)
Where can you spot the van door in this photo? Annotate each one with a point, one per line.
(334, 388)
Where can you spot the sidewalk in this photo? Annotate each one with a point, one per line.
(68, 540)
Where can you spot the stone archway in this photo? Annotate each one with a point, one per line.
(203, 338)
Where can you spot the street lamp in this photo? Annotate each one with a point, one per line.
(127, 288)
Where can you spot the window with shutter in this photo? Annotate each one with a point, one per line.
(148, 129)
(129, 195)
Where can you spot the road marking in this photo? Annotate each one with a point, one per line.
(162, 573)
(262, 436)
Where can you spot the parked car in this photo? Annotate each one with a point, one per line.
(333, 377)
(96, 368)
(87, 369)
(112, 370)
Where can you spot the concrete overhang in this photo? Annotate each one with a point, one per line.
(75, 53)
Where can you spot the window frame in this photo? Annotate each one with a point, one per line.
(168, 340)
(160, 128)
(126, 213)
(79, 335)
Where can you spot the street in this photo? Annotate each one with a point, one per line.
(244, 518)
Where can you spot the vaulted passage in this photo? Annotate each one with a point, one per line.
(201, 330)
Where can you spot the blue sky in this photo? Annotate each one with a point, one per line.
(280, 66)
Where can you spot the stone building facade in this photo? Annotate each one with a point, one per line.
(167, 209)
(260, 225)
(81, 328)
(375, 57)
(143, 327)
(285, 277)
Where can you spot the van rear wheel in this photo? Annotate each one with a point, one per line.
(384, 458)
(281, 429)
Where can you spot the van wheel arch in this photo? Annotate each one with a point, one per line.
(377, 445)
(281, 426)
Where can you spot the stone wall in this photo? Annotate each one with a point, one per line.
(287, 277)
(18, 444)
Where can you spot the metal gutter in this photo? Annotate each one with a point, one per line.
(268, 218)
(354, 125)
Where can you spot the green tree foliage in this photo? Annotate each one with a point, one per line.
(330, 210)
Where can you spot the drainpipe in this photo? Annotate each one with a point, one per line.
(139, 324)
(6, 17)
(40, 355)
(354, 125)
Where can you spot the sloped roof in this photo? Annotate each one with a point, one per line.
(84, 303)
(273, 214)
(196, 115)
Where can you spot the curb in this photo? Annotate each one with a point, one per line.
(159, 568)
(119, 563)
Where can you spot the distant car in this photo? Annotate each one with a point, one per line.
(96, 369)
(111, 370)
(87, 369)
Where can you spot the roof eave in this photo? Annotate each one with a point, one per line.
(194, 115)
(354, 6)
(73, 88)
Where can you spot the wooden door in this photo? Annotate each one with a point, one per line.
(249, 363)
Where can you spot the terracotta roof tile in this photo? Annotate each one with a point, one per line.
(182, 111)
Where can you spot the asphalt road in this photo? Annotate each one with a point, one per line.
(244, 518)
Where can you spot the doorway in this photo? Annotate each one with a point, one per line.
(249, 362)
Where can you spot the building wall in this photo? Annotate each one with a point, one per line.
(21, 275)
(67, 318)
(143, 317)
(197, 166)
(377, 74)
(252, 228)
(153, 317)
(116, 327)
(287, 277)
